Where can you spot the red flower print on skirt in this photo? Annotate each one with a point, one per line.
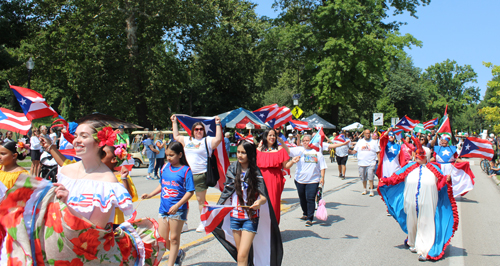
(86, 244)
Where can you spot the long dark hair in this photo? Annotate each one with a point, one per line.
(250, 177)
(11, 146)
(264, 138)
(178, 148)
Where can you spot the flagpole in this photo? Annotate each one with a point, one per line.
(9, 83)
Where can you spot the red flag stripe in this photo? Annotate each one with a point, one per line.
(16, 122)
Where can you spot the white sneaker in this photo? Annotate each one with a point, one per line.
(200, 228)
(185, 227)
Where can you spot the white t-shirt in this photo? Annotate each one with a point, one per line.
(309, 167)
(367, 152)
(342, 151)
(35, 143)
(196, 153)
(53, 137)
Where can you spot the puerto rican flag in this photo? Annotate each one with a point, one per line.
(283, 116)
(300, 125)
(317, 140)
(340, 138)
(220, 152)
(476, 148)
(462, 178)
(169, 193)
(70, 154)
(14, 121)
(431, 123)
(212, 216)
(267, 113)
(407, 124)
(33, 104)
(398, 133)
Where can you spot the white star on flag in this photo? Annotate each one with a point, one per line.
(23, 101)
(262, 115)
(467, 147)
(402, 122)
(446, 152)
(207, 128)
(392, 150)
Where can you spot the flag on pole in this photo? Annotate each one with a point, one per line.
(266, 113)
(300, 125)
(431, 123)
(212, 216)
(33, 104)
(317, 141)
(407, 124)
(187, 123)
(477, 148)
(15, 122)
(398, 133)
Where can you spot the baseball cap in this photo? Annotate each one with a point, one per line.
(121, 127)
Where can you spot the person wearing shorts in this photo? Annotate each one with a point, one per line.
(342, 154)
(367, 150)
(35, 151)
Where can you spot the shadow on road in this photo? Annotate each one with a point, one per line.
(289, 189)
(330, 220)
(289, 235)
(452, 251)
(214, 264)
(334, 205)
(289, 200)
(466, 200)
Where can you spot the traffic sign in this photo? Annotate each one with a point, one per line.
(378, 119)
(297, 112)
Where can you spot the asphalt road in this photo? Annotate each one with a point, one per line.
(357, 232)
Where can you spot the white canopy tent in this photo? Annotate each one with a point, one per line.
(353, 126)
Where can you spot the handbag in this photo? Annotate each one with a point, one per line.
(321, 213)
(212, 171)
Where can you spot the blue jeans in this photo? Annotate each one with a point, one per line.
(179, 215)
(244, 224)
(494, 172)
(307, 196)
(151, 166)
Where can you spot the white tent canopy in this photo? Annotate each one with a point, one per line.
(353, 126)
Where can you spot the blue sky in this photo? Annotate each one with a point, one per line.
(464, 31)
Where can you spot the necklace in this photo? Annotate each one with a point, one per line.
(85, 170)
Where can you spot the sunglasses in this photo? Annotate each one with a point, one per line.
(198, 129)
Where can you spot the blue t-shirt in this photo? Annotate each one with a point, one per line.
(161, 154)
(149, 153)
(227, 143)
(175, 182)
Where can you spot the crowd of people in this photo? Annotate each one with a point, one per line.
(94, 195)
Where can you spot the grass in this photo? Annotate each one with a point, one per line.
(25, 163)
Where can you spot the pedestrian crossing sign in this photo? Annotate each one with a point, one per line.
(297, 112)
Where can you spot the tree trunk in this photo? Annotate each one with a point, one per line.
(136, 85)
(334, 116)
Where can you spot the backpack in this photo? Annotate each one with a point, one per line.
(212, 170)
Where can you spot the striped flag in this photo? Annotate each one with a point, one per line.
(462, 178)
(477, 148)
(398, 133)
(407, 124)
(33, 104)
(266, 113)
(431, 123)
(340, 138)
(212, 216)
(283, 116)
(300, 125)
(15, 122)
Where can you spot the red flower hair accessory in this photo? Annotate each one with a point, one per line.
(105, 136)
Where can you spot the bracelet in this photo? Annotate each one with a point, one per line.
(124, 178)
(50, 146)
(217, 124)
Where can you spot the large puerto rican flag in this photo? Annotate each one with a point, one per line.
(477, 148)
(220, 152)
(267, 113)
(14, 121)
(33, 104)
(283, 116)
(300, 125)
(407, 124)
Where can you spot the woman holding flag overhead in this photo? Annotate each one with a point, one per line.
(198, 147)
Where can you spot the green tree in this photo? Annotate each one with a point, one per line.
(491, 109)
(448, 83)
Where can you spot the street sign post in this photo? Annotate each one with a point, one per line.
(378, 119)
(394, 121)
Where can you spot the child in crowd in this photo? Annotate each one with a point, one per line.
(177, 187)
(243, 185)
(10, 152)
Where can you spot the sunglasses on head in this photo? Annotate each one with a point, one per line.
(198, 129)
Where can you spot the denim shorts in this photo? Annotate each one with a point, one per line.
(179, 215)
(245, 224)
